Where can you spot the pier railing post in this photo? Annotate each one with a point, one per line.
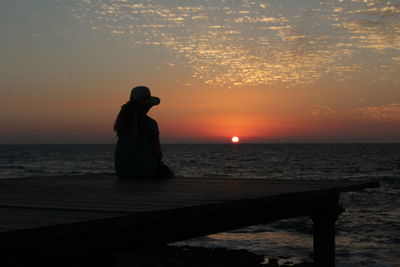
(324, 234)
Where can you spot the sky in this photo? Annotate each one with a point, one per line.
(272, 71)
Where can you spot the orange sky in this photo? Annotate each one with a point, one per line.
(262, 71)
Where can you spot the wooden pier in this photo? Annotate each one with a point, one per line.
(48, 220)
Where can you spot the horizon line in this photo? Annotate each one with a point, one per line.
(221, 143)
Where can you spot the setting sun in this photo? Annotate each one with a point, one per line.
(235, 139)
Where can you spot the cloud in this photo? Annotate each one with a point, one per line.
(386, 113)
(384, 11)
(373, 34)
(372, 24)
(381, 113)
(318, 110)
(245, 43)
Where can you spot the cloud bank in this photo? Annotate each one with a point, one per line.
(245, 43)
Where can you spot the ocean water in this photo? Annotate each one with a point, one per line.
(368, 233)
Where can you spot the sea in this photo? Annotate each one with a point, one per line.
(368, 232)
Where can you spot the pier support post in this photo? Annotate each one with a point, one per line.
(324, 235)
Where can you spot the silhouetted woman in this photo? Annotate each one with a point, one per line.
(138, 152)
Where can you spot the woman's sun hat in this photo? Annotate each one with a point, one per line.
(143, 92)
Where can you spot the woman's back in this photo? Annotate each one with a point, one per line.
(135, 159)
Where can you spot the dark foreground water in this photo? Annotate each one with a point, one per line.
(368, 233)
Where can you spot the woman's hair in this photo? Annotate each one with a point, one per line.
(124, 121)
(130, 118)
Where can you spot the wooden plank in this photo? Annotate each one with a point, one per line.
(17, 218)
(109, 194)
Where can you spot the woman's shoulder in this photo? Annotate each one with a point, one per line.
(149, 119)
(151, 125)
